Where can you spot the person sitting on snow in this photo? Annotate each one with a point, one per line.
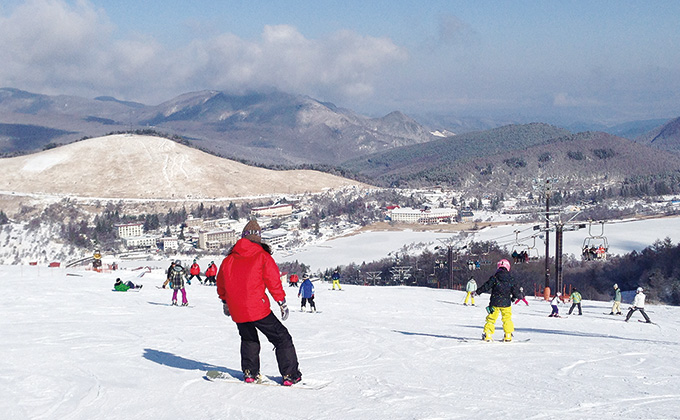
(124, 287)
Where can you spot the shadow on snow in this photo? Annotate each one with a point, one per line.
(172, 360)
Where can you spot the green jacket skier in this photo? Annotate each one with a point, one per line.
(575, 302)
(616, 308)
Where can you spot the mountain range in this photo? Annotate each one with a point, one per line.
(272, 128)
(283, 130)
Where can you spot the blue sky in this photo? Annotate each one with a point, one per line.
(608, 61)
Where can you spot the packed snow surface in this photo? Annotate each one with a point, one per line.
(74, 349)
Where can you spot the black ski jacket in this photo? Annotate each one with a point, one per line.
(502, 288)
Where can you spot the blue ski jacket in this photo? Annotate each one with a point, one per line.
(306, 289)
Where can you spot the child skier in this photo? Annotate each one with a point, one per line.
(638, 305)
(307, 293)
(575, 302)
(616, 308)
(502, 288)
(177, 283)
(521, 297)
(554, 302)
(470, 288)
(210, 273)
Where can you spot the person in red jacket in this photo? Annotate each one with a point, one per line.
(242, 279)
(293, 280)
(210, 274)
(195, 271)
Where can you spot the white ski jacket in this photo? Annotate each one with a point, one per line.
(639, 301)
(471, 286)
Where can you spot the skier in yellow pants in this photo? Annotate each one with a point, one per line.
(470, 288)
(336, 279)
(506, 318)
(502, 288)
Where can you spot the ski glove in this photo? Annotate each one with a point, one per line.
(225, 308)
(284, 309)
(489, 309)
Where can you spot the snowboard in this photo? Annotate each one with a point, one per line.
(128, 290)
(474, 340)
(216, 375)
(179, 305)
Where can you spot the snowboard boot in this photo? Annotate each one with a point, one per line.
(508, 337)
(487, 337)
(289, 380)
(251, 377)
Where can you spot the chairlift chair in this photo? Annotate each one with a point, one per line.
(595, 244)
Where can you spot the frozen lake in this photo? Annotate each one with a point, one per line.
(623, 237)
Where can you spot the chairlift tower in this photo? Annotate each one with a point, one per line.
(450, 243)
(401, 272)
(373, 275)
(548, 191)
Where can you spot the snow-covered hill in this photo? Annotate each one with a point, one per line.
(73, 349)
(146, 167)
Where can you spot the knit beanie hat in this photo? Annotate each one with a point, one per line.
(252, 231)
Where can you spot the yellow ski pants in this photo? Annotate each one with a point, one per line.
(470, 297)
(506, 317)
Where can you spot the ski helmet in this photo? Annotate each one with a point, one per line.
(616, 286)
(639, 289)
(503, 263)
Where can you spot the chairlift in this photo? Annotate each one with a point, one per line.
(532, 251)
(595, 247)
(520, 251)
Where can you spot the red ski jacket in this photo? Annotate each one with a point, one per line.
(211, 271)
(242, 279)
(195, 269)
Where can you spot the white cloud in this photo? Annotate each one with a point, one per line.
(51, 46)
(563, 99)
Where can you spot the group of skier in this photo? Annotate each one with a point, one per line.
(249, 271)
(503, 290)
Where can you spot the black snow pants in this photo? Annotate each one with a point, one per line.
(574, 305)
(642, 311)
(311, 303)
(278, 335)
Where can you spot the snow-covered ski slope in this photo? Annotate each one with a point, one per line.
(73, 349)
